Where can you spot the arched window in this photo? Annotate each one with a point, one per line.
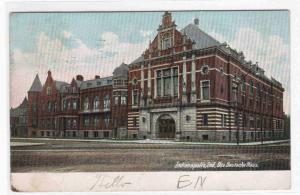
(86, 104)
(96, 103)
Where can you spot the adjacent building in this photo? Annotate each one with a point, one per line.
(185, 86)
(18, 120)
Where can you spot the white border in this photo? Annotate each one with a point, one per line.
(136, 5)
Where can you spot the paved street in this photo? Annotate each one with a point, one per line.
(32, 155)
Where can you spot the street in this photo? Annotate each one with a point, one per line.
(40, 155)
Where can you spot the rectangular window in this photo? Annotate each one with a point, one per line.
(74, 133)
(117, 100)
(166, 43)
(86, 122)
(205, 137)
(223, 120)
(123, 100)
(86, 134)
(158, 87)
(135, 97)
(205, 90)
(205, 119)
(167, 86)
(96, 121)
(48, 90)
(106, 134)
(175, 84)
(96, 134)
(106, 120)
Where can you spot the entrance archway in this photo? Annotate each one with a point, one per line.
(166, 127)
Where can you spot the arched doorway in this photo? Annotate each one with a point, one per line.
(166, 127)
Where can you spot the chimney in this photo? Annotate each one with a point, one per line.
(97, 77)
(79, 78)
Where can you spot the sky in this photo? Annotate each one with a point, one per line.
(94, 43)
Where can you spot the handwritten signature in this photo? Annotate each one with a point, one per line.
(107, 182)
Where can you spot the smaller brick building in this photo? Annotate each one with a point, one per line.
(95, 108)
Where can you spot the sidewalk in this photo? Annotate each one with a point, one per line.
(148, 141)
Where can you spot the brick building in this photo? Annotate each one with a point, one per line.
(188, 86)
(185, 86)
(95, 108)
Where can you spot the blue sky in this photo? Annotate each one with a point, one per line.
(72, 43)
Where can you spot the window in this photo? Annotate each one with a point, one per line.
(205, 90)
(74, 104)
(166, 81)
(204, 69)
(205, 119)
(106, 134)
(158, 83)
(86, 104)
(123, 100)
(64, 104)
(251, 88)
(96, 103)
(135, 121)
(116, 100)
(49, 91)
(106, 120)
(96, 134)
(223, 120)
(243, 80)
(69, 104)
(86, 121)
(74, 133)
(175, 81)
(106, 102)
(86, 134)
(68, 123)
(49, 106)
(74, 123)
(135, 97)
(205, 137)
(96, 121)
(166, 43)
(34, 107)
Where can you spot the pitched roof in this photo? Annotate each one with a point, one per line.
(36, 85)
(201, 38)
(139, 59)
(96, 83)
(58, 84)
(20, 110)
(24, 104)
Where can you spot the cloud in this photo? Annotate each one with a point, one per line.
(67, 34)
(65, 62)
(145, 33)
(271, 52)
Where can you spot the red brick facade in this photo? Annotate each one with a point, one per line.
(186, 86)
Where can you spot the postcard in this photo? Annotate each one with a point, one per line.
(160, 100)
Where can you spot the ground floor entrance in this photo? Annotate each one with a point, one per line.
(166, 127)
